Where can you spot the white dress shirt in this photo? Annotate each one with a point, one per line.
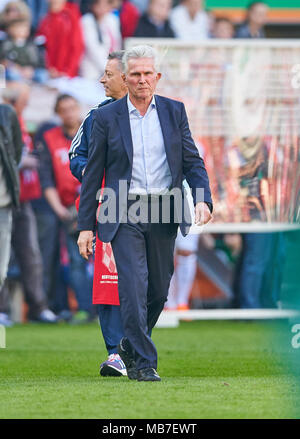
(150, 169)
(187, 28)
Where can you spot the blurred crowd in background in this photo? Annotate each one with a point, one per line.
(51, 43)
(43, 40)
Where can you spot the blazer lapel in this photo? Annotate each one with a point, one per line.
(124, 124)
(166, 128)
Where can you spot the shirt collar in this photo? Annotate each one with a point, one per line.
(131, 107)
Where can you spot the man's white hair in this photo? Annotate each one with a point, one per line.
(141, 51)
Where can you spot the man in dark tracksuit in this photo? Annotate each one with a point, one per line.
(109, 315)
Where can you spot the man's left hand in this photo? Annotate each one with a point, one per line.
(202, 214)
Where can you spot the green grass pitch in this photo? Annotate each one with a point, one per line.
(208, 369)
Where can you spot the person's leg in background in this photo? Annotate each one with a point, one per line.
(79, 281)
(5, 244)
(48, 236)
(186, 270)
(28, 255)
(112, 331)
(5, 238)
(254, 262)
(272, 280)
(60, 298)
(184, 275)
(171, 303)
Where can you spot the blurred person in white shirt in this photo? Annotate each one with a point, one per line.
(190, 21)
(101, 33)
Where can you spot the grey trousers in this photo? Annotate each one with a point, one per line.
(24, 241)
(5, 237)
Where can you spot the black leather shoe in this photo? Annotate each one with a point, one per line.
(148, 374)
(126, 353)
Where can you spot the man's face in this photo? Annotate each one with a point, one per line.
(56, 5)
(223, 29)
(258, 14)
(193, 6)
(69, 112)
(101, 8)
(159, 9)
(141, 77)
(19, 31)
(112, 80)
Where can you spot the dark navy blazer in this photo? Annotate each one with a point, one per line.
(111, 153)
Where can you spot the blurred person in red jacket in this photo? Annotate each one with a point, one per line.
(129, 17)
(63, 38)
(24, 232)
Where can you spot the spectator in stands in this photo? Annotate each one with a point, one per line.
(24, 235)
(189, 21)
(61, 190)
(223, 28)
(211, 21)
(256, 18)
(20, 54)
(101, 33)
(155, 22)
(63, 38)
(129, 17)
(10, 156)
(14, 10)
(85, 6)
(39, 9)
(142, 5)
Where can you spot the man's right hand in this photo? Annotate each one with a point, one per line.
(85, 243)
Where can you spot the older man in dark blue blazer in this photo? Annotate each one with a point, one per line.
(143, 145)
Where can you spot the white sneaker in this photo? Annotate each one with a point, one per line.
(5, 320)
(47, 316)
(113, 366)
